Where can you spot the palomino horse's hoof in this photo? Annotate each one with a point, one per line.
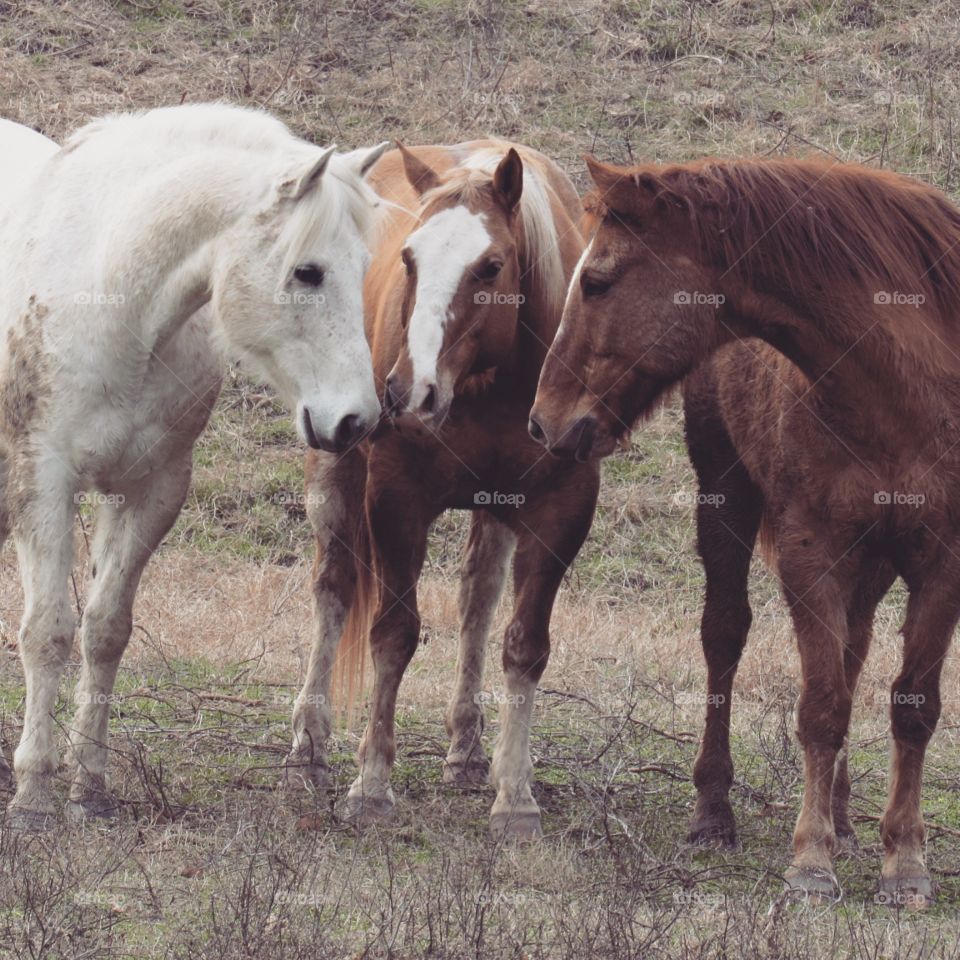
(24, 820)
(814, 885)
(7, 782)
(515, 826)
(302, 776)
(471, 773)
(365, 811)
(92, 806)
(910, 893)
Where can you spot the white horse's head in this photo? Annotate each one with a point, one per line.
(288, 293)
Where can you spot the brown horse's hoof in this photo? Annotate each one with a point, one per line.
(472, 773)
(718, 830)
(367, 811)
(24, 820)
(304, 776)
(522, 827)
(906, 893)
(812, 885)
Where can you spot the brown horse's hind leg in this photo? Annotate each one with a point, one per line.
(334, 496)
(932, 613)
(728, 516)
(874, 582)
(481, 583)
(550, 531)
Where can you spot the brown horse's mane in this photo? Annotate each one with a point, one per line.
(827, 230)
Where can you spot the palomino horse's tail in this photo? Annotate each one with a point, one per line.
(350, 663)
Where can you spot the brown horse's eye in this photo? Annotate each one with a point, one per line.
(593, 286)
(309, 274)
(489, 271)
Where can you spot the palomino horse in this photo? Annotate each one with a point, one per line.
(463, 298)
(841, 431)
(109, 370)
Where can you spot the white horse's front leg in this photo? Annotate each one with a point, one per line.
(127, 533)
(43, 531)
(482, 576)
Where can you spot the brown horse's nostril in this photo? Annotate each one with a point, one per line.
(587, 428)
(576, 443)
(536, 431)
(429, 404)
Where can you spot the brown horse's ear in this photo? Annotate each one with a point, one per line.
(422, 177)
(622, 191)
(508, 180)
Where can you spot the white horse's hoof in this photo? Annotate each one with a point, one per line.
(516, 826)
(302, 776)
(816, 886)
(24, 820)
(92, 806)
(366, 811)
(474, 772)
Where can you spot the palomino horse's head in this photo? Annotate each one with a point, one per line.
(461, 300)
(287, 292)
(641, 311)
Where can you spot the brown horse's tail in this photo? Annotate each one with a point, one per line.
(767, 541)
(349, 666)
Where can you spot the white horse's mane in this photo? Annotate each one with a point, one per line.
(313, 222)
(541, 251)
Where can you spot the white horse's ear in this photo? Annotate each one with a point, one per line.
(361, 161)
(307, 180)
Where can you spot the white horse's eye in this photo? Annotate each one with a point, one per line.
(309, 273)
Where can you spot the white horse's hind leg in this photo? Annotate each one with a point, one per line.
(482, 577)
(126, 535)
(43, 532)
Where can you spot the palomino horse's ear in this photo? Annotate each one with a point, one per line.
(621, 190)
(421, 176)
(508, 179)
(361, 161)
(310, 177)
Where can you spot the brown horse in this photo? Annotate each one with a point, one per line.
(817, 307)
(463, 298)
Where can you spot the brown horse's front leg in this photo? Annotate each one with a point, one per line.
(550, 532)
(398, 534)
(932, 613)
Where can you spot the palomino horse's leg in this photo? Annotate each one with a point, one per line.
(43, 531)
(872, 585)
(484, 571)
(932, 613)
(125, 538)
(728, 516)
(398, 535)
(334, 492)
(550, 531)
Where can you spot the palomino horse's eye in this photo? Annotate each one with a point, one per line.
(593, 285)
(308, 273)
(488, 271)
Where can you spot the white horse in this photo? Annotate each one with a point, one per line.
(109, 367)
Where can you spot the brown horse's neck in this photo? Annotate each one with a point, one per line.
(862, 379)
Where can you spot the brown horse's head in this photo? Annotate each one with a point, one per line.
(641, 311)
(461, 301)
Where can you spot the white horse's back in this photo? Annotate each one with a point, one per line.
(22, 152)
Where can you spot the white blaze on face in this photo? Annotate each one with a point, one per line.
(442, 249)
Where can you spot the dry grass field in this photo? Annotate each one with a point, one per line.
(209, 859)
